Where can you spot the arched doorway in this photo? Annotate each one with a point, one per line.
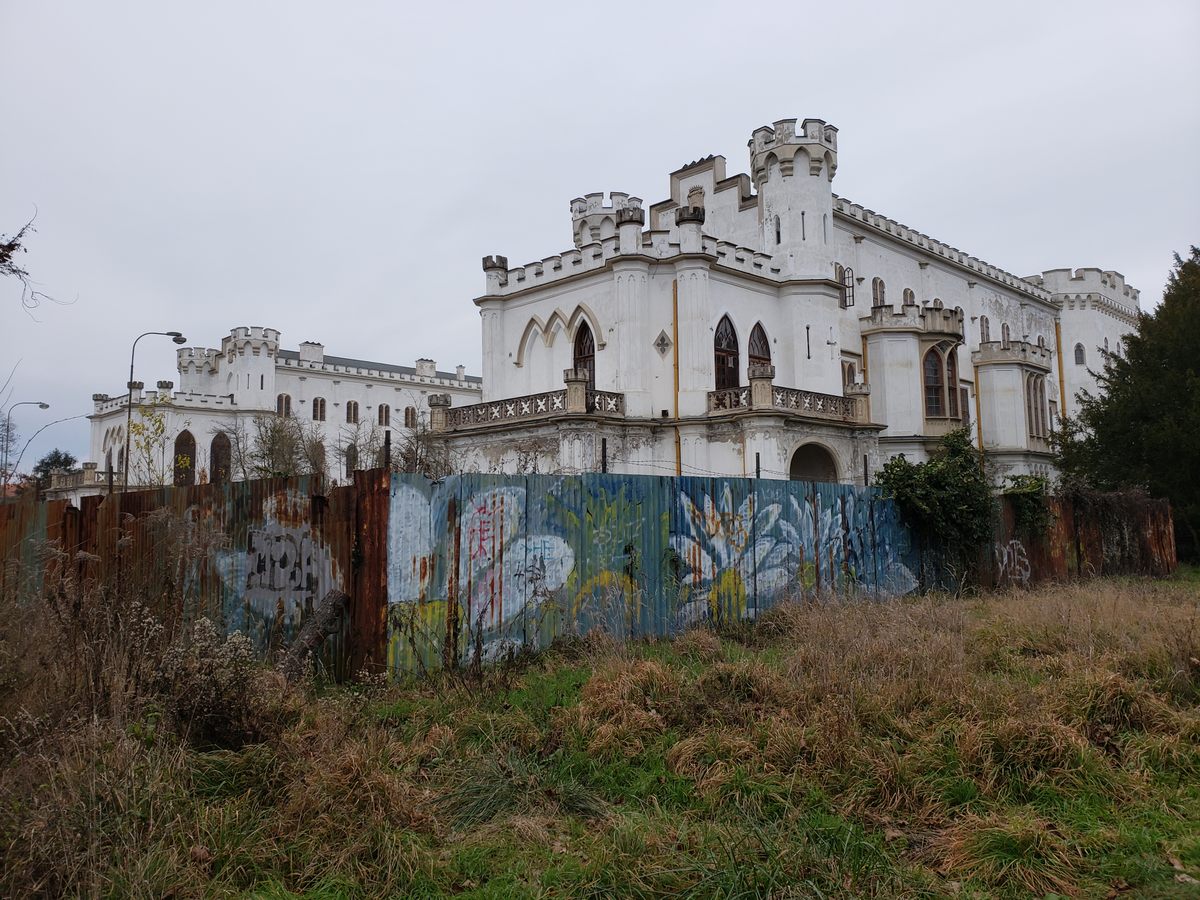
(220, 456)
(812, 462)
(185, 459)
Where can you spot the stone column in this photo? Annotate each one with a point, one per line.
(761, 379)
(576, 381)
(439, 412)
(861, 393)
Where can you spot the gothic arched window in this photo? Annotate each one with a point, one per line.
(1080, 355)
(351, 457)
(759, 349)
(952, 383)
(877, 291)
(847, 288)
(410, 417)
(283, 405)
(585, 354)
(185, 459)
(909, 297)
(1005, 336)
(318, 409)
(385, 414)
(934, 382)
(985, 330)
(220, 454)
(352, 412)
(725, 355)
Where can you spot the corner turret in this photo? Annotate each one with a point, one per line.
(593, 220)
(792, 170)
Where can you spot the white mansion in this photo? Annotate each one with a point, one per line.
(351, 404)
(764, 325)
(761, 325)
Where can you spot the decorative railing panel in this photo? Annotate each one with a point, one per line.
(606, 403)
(534, 406)
(810, 403)
(730, 398)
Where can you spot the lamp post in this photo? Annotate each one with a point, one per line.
(178, 338)
(8, 429)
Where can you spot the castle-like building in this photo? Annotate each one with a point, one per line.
(763, 325)
(760, 326)
(350, 404)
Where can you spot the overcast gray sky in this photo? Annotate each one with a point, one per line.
(336, 170)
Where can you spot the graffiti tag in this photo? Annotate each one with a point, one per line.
(1012, 562)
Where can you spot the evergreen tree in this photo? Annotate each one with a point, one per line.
(1143, 429)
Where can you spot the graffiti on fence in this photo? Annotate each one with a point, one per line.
(1012, 563)
(485, 565)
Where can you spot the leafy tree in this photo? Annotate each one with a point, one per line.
(55, 459)
(947, 500)
(1143, 429)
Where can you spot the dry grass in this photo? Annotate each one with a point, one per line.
(1013, 744)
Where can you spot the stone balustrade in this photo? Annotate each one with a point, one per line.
(567, 401)
(803, 403)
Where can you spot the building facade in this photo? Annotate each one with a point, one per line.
(761, 325)
(348, 405)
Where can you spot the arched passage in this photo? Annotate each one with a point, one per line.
(812, 462)
(185, 459)
(220, 456)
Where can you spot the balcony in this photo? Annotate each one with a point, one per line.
(761, 395)
(573, 400)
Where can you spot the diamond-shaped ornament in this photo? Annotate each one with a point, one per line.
(662, 344)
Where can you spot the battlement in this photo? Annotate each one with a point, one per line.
(934, 320)
(783, 143)
(594, 220)
(872, 220)
(1013, 353)
(200, 360)
(254, 339)
(1080, 283)
(591, 204)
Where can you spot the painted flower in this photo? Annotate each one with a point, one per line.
(731, 554)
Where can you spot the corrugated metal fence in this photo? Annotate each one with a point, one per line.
(477, 566)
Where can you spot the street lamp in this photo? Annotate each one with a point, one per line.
(8, 428)
(178, 338)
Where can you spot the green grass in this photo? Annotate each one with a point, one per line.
(1014, 745)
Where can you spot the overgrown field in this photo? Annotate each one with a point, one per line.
(1039, 742)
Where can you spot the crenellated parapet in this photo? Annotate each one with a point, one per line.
(592, 219)
(198, 360)
(1100, 289)
(250, 340)
(1019, 353)
(812, 147)
(934, 321)
(870, 220)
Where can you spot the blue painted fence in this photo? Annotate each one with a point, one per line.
(480, 566)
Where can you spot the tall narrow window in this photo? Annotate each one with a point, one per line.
(1106, 345)
(1030, 406)
(410, 417)
(849, 375)
(725, 355)
(877, 292)
(385, 414)
(352, 412)
(985, 330)
(952, 383)
(910, 298)
(1080, 355)
(351, 457)
(778, 233)
(283, 405)
(935, 406)
(585, 354)
(760, 348)
(1041, 401)
(318, 409)
(847, 288)
(220, 456)
(1005, 336)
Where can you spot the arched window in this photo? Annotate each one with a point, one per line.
(410, 417)
(1041, 342)
(351, 457)
(849, 374)
(759, 349)
(185, 459)
(847, 288)
(318, 409)
(1005, 336)
(352, 412)
(909, 297)
(877, 292)
(935, 386)
(385, 414)
(1080, 355)
(985, 330)
(952, 383)
(725, 353)
(220, 457)
(108, 460)
(1041, 400)
(283, 405)
(585, 354)
(778, 232)
(1106, 345)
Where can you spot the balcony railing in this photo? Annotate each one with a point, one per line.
(550, 404)
(804, 403)
(606, 403)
